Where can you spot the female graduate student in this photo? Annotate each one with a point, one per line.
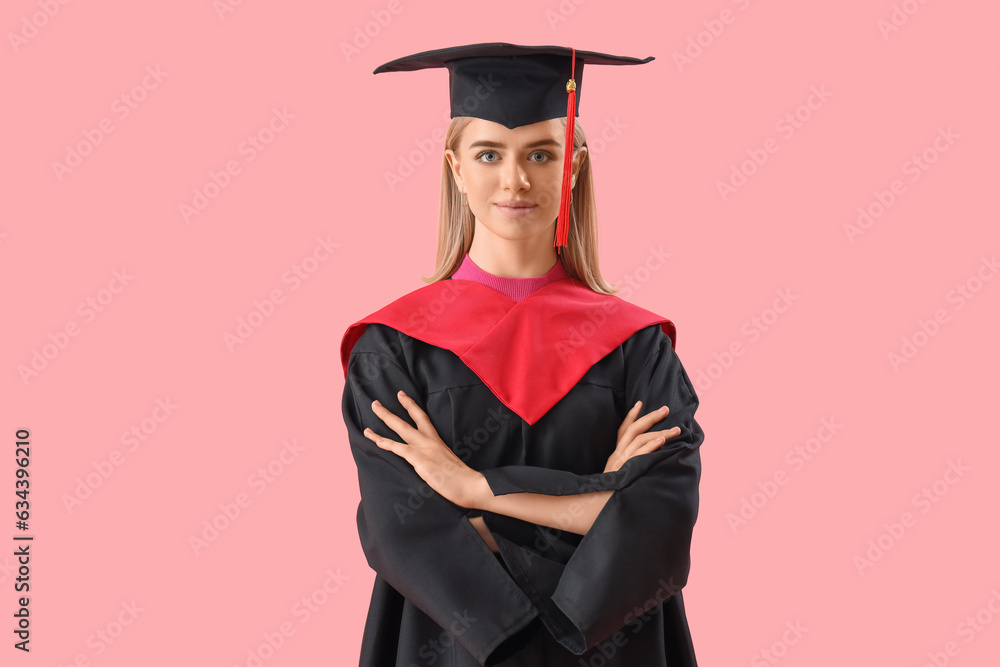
(525, 440)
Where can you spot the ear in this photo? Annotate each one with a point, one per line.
(456, 167)
(578, 159)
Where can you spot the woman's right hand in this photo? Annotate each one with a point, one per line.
(633, 438)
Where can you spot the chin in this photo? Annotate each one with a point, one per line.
(517, 229)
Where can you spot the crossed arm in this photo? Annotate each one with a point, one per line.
(439, 466)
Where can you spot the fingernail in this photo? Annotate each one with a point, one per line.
(375, 402)
(402, 393)
(663, 409)
(637, 404)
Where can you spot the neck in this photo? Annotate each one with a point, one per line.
(522, 258)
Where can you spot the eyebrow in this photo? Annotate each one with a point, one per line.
(495, 144)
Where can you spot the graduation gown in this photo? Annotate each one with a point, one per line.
(531, 394)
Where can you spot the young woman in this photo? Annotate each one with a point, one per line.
(519, 503)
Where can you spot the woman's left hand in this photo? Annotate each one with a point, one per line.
(430, 457)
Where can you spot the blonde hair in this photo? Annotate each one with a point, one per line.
(456, 224)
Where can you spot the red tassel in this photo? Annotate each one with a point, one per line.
(562, 224)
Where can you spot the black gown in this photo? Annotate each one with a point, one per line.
(549, 598)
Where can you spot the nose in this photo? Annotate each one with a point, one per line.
(513, 176)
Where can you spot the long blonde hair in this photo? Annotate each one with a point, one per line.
(456, 224)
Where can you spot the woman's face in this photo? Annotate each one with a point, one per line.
(512, 178)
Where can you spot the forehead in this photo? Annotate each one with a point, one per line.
(480, 129)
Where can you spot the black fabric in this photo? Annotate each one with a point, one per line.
(553, 598)
(509, 84)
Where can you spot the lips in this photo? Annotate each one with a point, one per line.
(513, 208)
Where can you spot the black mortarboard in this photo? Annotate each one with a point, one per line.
(515, 85)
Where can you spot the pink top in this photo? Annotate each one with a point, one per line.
(515, 288)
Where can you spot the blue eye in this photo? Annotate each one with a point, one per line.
(544, 155)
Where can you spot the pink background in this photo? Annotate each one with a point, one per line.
(672, 132)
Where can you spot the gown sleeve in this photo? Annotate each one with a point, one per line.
(637, 552)
(420, 543)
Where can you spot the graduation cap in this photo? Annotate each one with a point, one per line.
(516, 85)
